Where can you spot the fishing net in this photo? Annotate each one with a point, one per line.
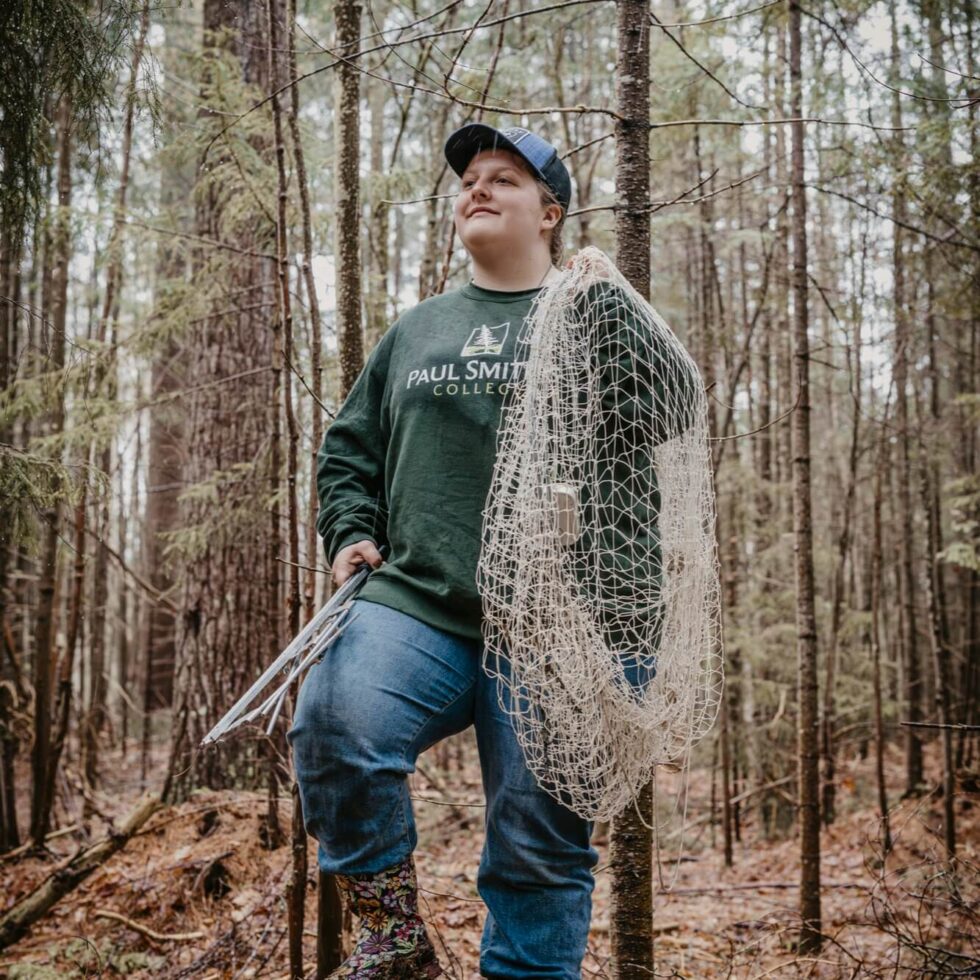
(598, 569)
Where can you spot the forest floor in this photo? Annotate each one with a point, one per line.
(199, 873)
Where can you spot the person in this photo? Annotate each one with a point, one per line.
(406, 466)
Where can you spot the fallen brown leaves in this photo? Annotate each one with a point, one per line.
(196, 895)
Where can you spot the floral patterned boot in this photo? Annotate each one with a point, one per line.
(392, 941)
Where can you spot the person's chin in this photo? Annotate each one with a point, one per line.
(484, 224)
(483, 239)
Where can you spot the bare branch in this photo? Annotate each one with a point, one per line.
(888, 217)
(874, 78)
(775, 122)
(213, 243)
(679, 199)
(930, 724)
(151, 934)
(687, 54)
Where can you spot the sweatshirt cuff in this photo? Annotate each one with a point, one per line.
(342, 541)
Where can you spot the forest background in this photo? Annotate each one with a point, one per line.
(212, 210)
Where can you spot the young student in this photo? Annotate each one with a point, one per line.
(407, 464)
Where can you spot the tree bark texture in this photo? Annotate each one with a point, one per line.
(284, 354)
(631, 853)
(709, 320)
(166, 444)
(874, 601)
(347, 177)
(44, 650)
(230, 606)
(913, 680)
(9, 833)
(105, 384)
(806, 644)
(347, 195)
(283, 350)
(313, 305)
(940, 663)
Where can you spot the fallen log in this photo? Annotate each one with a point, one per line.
(27, 845)
(15, 923)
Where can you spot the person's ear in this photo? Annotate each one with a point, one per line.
(552, 215)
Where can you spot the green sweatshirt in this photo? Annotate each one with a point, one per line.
(409, 459)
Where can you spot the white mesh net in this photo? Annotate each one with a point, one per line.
(599, 571)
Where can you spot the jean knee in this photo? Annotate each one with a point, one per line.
(534, 838)
(337, 728)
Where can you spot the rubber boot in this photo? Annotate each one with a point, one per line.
(392, 941)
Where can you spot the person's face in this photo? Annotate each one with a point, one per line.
(499, 204)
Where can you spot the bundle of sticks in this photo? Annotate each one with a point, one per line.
(306, 649)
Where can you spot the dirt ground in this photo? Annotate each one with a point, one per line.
(210, 896)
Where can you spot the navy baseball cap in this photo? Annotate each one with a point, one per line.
(540, 155)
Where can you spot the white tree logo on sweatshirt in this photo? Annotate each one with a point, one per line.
(486, 340)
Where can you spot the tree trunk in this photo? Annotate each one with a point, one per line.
(166, 443)
(283, 352)
(874, 601)
(809, 735)
(9, 834)
(347, 14)
(785, 396)
(631, 857)
(710, 315)
(63, 695)
(230, 601)
(347, 195)
(124, 609)
(967, 433)
(313, 304)
(376, 299)
(95, 715)
(296, 889)
(44, 651)
(940, 659)
(913, 683)
(837, 601)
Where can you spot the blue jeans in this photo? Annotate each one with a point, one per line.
(388, 688)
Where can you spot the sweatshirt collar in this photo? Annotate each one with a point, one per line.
(480, 293)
